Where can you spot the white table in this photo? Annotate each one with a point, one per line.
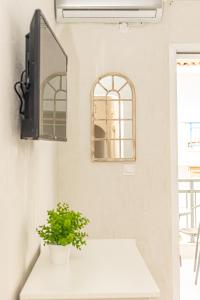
(104, 269)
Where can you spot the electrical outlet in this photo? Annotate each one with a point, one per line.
(129, 170)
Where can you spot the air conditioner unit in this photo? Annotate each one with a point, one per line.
(109, 11)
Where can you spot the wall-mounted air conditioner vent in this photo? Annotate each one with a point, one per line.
(109, 11)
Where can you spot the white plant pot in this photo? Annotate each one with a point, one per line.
(59, 255)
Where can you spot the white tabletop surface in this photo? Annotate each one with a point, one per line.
(104, 269)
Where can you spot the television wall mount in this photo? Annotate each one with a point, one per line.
(21, 88)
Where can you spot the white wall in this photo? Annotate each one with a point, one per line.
(118, 206)
(27, 169)
(122, 206)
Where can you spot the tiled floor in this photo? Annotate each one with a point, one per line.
(189, 291)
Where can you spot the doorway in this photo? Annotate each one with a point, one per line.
(185, 166)
(188, 129)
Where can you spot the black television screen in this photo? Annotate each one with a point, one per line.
(45, 105)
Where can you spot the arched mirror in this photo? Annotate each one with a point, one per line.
(113, 119)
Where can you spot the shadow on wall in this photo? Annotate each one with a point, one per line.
(16, 40)
(28, 169)
(73, 83)
(27, 272)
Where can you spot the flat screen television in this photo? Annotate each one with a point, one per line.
(44, 86)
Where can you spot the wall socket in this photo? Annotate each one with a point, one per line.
(129, 170)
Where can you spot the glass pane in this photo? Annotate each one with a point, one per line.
(99, 92)
(100, 110)
(118, 82)
(100, 129)
(56, 83)
(126, 109)
(113, 149)
(107, 82)
(48, 130)
(61, 106)
(126, 92)
(60, 122)
(61, 95)
(126, 129)
(64, 83)
(100, 149)
(48, 121)
(60, 116)
(48, 115)
(48, 105)
(52, 72)
(113, 130)
(60, 131)
(127, 150)
(113, 110)
(113, 95)
(49, 92)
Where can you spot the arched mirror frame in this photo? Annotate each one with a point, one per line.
(93, 139)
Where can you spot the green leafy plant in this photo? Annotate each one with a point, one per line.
(64, 227)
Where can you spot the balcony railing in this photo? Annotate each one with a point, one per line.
(189, 203)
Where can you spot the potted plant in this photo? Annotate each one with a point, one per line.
(63, 228)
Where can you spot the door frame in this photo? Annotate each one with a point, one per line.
(174, 49)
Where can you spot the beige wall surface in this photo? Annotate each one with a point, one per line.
(126, 206)
(119, 206)
(27, 169)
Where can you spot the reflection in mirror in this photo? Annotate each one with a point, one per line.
(126, 110)
(112, 95)
(100, 110)
(113, 110)
(126, 92)
(100, 129)
(99, 91)
(53, 81)
(107, 83)
(54, 106)
(119, 82)
(113, 149)
(126, 149)
(113, 130)
(126, 129)
(100, 149)
(113, 119)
